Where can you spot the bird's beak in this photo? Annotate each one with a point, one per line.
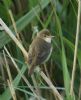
(52, 36)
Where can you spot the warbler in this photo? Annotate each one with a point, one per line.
(39, 50)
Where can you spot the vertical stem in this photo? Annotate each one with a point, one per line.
(76, 48)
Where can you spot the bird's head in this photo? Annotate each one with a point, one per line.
(45, 35)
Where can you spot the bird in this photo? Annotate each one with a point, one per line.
(39, 50)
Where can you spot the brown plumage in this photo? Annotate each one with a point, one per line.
(39, 50)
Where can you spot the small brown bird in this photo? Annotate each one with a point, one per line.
(39, 50)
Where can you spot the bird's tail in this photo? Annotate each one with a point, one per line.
(31, 70)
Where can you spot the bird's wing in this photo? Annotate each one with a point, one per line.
(43, 52)
(37, 58)
(38, 54)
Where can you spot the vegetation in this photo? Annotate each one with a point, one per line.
(59, 78)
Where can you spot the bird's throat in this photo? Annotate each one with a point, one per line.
(47, 39)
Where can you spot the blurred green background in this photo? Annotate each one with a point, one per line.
(60, 17)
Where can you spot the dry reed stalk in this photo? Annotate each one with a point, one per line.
(76, 48)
